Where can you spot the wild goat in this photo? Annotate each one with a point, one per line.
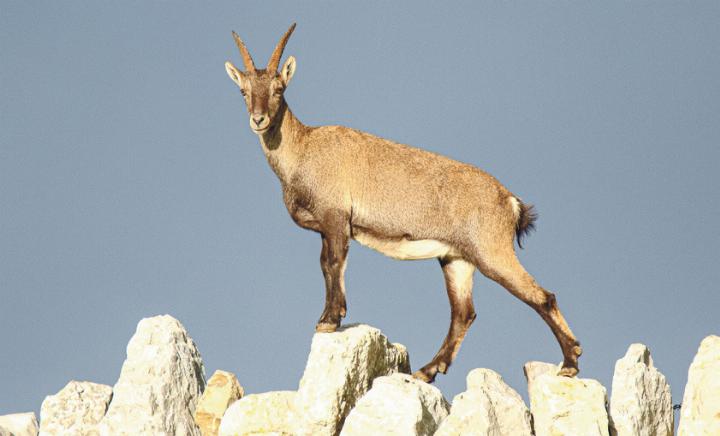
(404, 202)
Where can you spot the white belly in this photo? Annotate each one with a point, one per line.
(405, 249)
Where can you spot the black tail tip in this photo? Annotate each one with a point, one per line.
(526, 222)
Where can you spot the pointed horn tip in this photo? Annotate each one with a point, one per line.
(291, 29)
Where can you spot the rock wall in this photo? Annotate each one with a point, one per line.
(340, 369)
(398, 404)
(18, 424)
(160, 383)
(641, 402)
(356, 383)
(701, 404)
(77, 409)
(488, 407)
(564, 405)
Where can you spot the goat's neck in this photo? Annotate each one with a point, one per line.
(282, 143)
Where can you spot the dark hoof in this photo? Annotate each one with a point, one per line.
(568, 371)
(420, 375)
(326, 327)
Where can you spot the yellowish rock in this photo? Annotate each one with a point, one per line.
(267, 414)
(221, 391)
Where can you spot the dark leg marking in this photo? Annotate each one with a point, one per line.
(458, 281)
(335, 246)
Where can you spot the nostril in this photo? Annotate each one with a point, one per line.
(258, 120)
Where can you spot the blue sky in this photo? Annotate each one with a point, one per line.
(131, 185)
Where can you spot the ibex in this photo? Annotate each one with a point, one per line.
(404, 202)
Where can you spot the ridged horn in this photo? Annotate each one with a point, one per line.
(247, 59)
(278, 52)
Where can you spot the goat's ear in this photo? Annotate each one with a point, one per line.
(234, 74)
(288, 70)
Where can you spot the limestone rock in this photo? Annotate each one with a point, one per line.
(269, 414)
(700, 413)
(397, 405)
(221, 391)
(340, 369)
(641, 403)
(19, 424)
(534, 369)
(160, 382)
(489, 407)
(76, 409)
(565, 405)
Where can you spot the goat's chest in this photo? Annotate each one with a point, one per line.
(299, 208)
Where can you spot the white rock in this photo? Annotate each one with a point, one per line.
(76, 409)
(160, 383)
(221, 391)
(700, 412)
(397, 405)
(271, 413)
(641, 403)
(567, 406)
(489, 407)
(340, 369)
(19, 424)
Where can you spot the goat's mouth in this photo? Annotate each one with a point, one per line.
(261, 130)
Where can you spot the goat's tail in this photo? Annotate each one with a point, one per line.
(525, 220)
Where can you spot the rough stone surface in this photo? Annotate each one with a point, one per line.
(269, 414)
(565, 405)
(534, 368)
(397, 405)
(221, 391)
(700, 413)
(19, 424)
(340, 369)
(76, 409)
(641, 403)
(160, 383)
(489, 407)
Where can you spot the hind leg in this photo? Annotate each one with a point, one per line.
(458, 280)
(503, 267)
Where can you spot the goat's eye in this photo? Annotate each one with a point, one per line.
(278, 92)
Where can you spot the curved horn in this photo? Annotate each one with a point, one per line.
(247, 59)
(277, 53)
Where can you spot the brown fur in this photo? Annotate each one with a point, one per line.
(341, 182)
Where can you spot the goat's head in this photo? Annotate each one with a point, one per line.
(263, 88)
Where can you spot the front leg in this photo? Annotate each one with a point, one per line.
(335, 245)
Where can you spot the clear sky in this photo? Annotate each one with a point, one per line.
(131, 184)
